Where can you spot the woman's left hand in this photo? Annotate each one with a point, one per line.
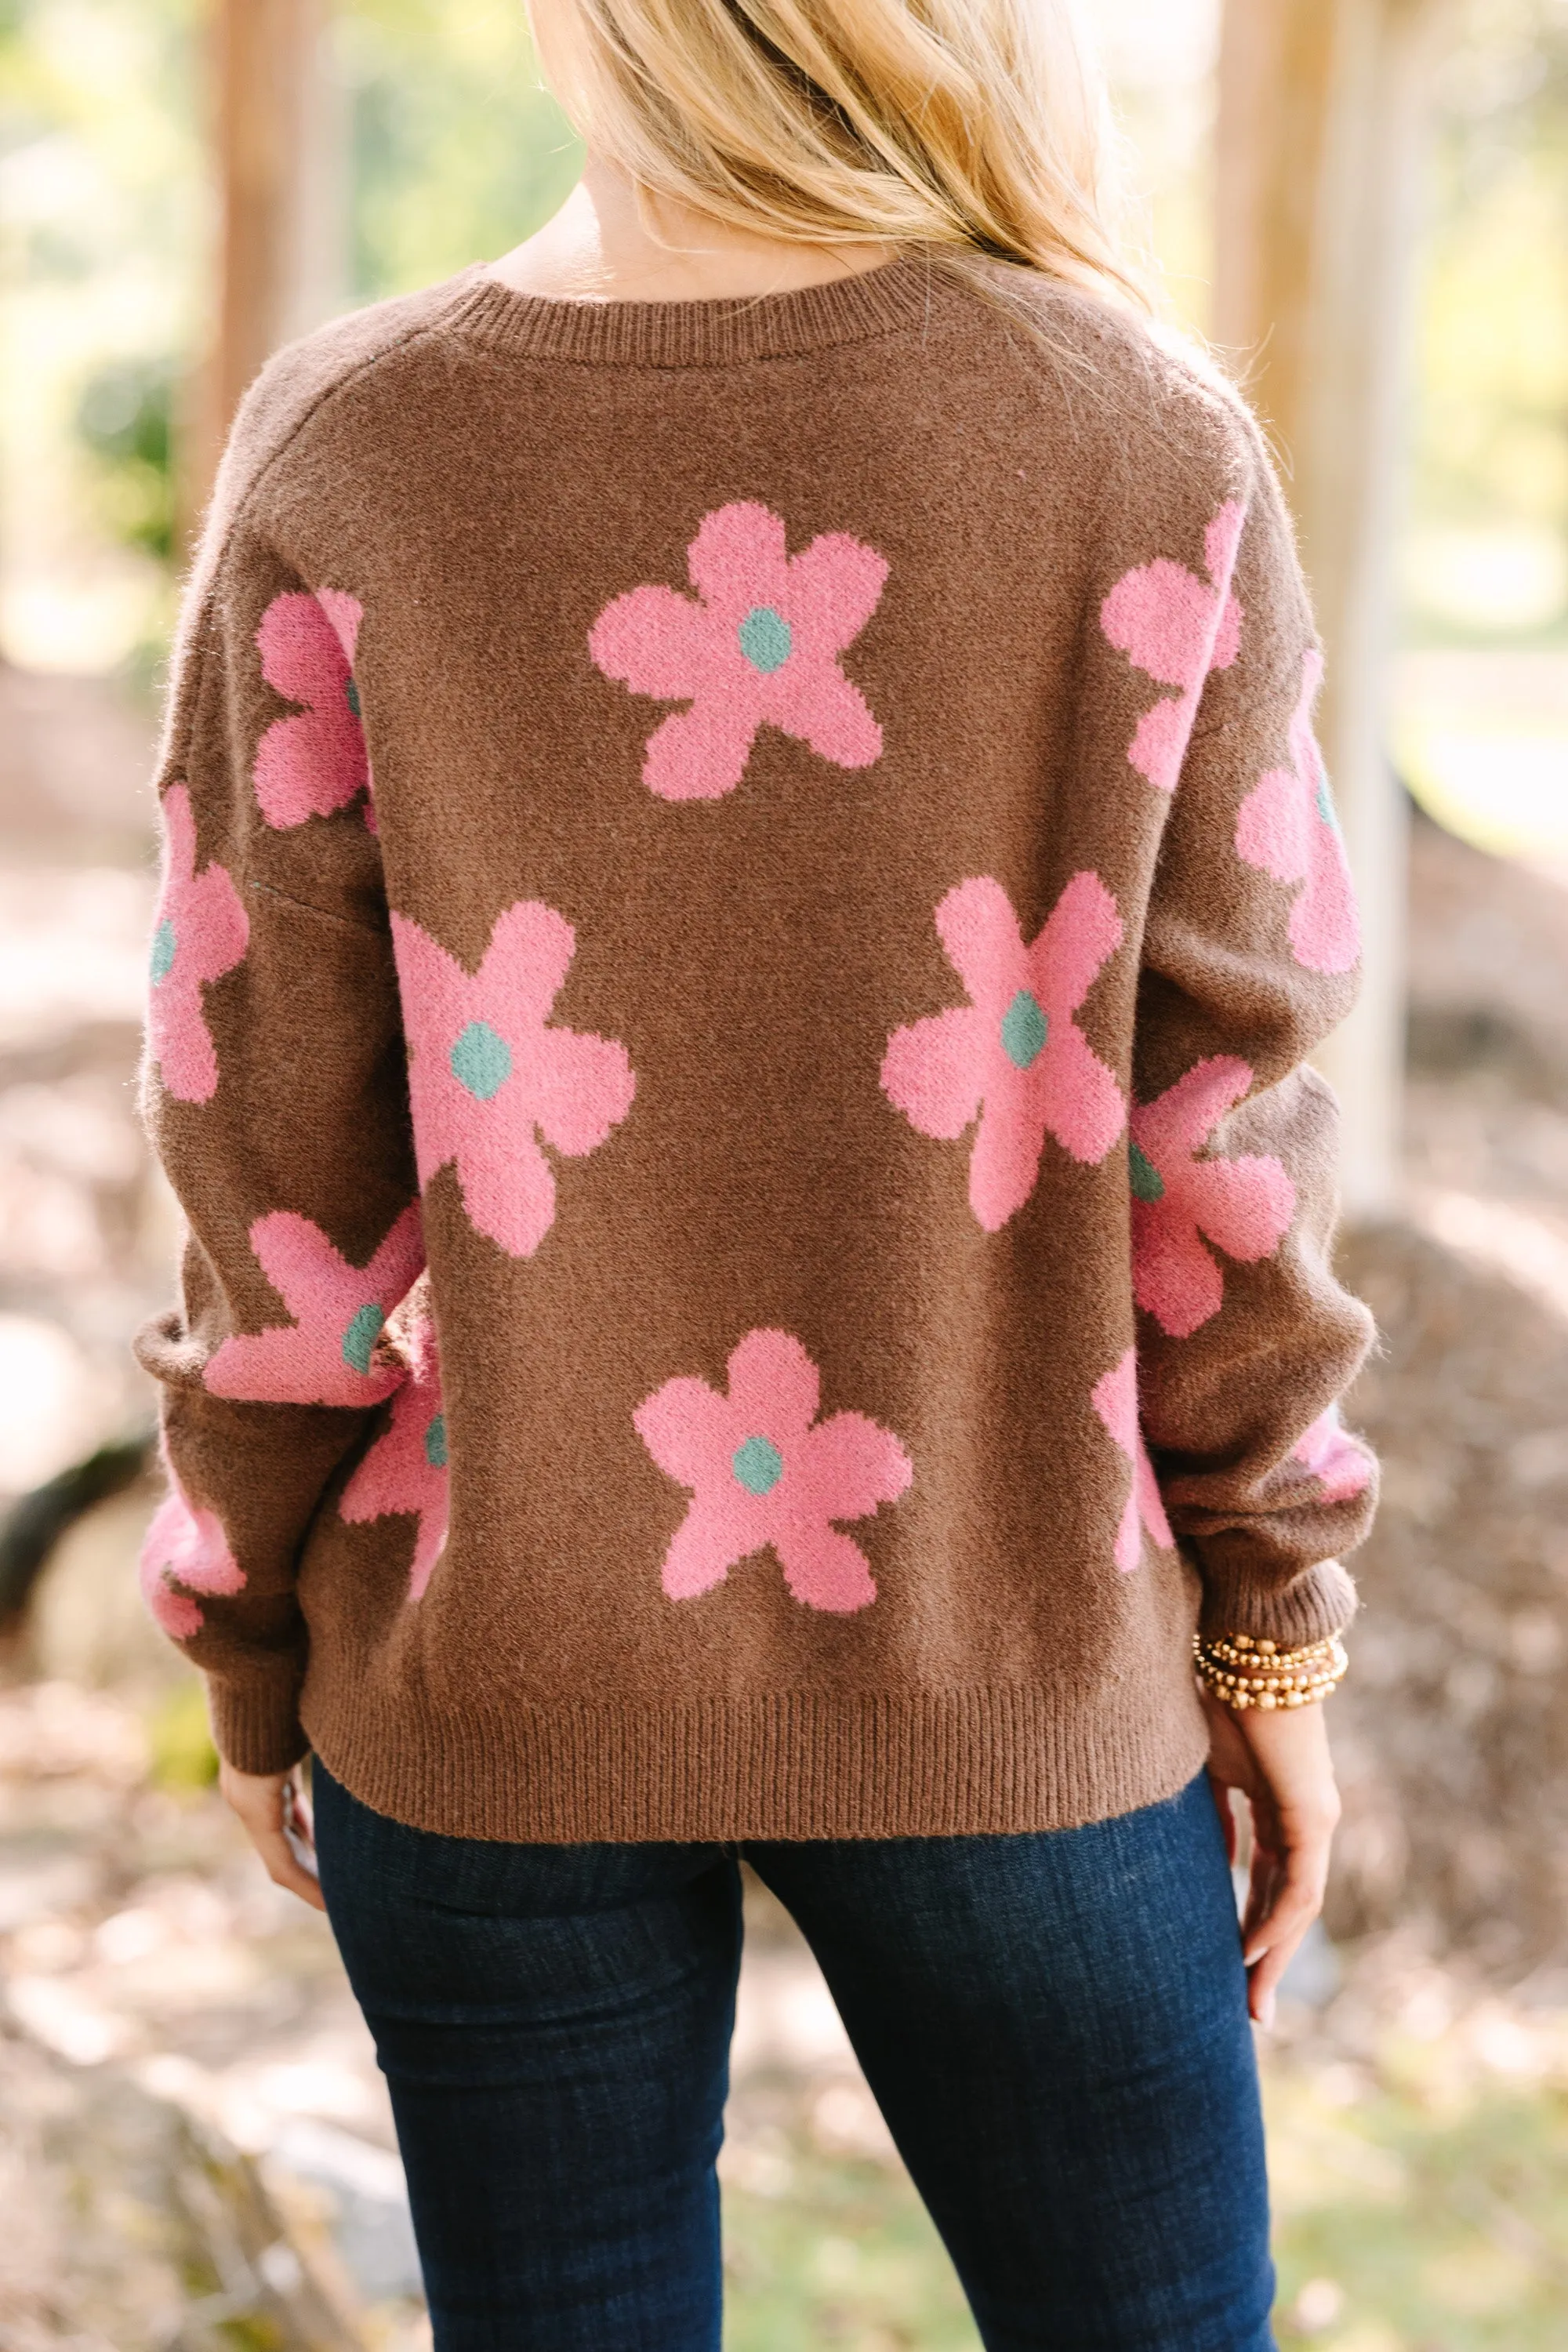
(1278, 1758)
(276, 1812)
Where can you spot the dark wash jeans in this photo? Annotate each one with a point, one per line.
(1055, 2027)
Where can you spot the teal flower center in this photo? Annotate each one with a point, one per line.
(766, 639)
(757, 1464)
(360, 1336)
(435, 1442)
(1144, 1176)
(351, 696)
(1025, 1029)
(481, 1060)
(1322, 798)
(163, 945)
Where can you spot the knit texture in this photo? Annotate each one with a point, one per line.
(748, 888)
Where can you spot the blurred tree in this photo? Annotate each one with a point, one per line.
(1324, 108)
(276, 277)
(394, 131)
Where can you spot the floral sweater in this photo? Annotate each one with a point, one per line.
(747, 886)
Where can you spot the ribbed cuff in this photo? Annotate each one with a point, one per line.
(1306, 1607)
(256, 1722)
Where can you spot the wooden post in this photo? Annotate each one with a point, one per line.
(1323, 105)
(280, 146)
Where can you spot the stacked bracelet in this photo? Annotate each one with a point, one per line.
(1245, 1673)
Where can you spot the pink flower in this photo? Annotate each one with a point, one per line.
(759, 645)
(202, 931)
(488, 1076)
(326, 1354)
(1243, 1205)
(1014, 1056)
(1177, 627)
(1115, 1400)
(316, 762)
(405, 1469)
(1288, 826)
(1338, 1461)
(189, 1548)
(765, 1470)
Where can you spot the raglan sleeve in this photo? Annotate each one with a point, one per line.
(1250, 955)
(274, 1090)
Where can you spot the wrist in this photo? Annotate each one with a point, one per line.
(1245, 1673)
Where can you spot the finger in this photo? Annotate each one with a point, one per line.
(1263, 1981)
(1266, 1881)
(301, 1817)
(285, 1870)
(1292, 1904)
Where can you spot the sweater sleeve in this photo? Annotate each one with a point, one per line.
(275, 1094)
(1246, 1340)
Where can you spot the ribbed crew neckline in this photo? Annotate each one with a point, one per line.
(715, 332)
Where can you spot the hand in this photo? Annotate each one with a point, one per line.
(1278, 1758)
(277, 1816)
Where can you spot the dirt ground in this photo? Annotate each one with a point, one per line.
(194, 2146)
(1452, 1729)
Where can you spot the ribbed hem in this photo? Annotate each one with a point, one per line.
(788, 1764)
(256, 1723)
(1320, 1602)
(715, 333)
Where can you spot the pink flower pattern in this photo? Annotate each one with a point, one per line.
(1337, 1460)
(1115, 1398)
(1014, 1056)
(327, 1353)
(184, 1546)
(405, 1469)
(759, 645)
(1288, 826)
(764, 1470)
(1177, 628)
(316, 761)
(488, 1075)
(202, 931)
(1243, 1205)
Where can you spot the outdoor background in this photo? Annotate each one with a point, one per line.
(194, 2149)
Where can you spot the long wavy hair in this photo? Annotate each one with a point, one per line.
(977, 130)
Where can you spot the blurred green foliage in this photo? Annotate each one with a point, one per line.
(179, 1742)
(102, 132)
(1440, 2221)
(1412, 2214)
(846, 2254)
(457, 152)
(1490, 446)
(125, 418)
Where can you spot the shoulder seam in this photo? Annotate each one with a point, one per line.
(342, 383)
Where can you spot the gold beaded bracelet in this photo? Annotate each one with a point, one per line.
(1242, 1672)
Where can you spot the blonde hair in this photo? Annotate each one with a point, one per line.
(978, 130)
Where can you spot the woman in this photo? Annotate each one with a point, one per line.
(748, 884)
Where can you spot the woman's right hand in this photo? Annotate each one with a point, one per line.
(1278, 1758)
(276, 1812)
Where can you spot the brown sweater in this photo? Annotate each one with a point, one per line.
(747, 887)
